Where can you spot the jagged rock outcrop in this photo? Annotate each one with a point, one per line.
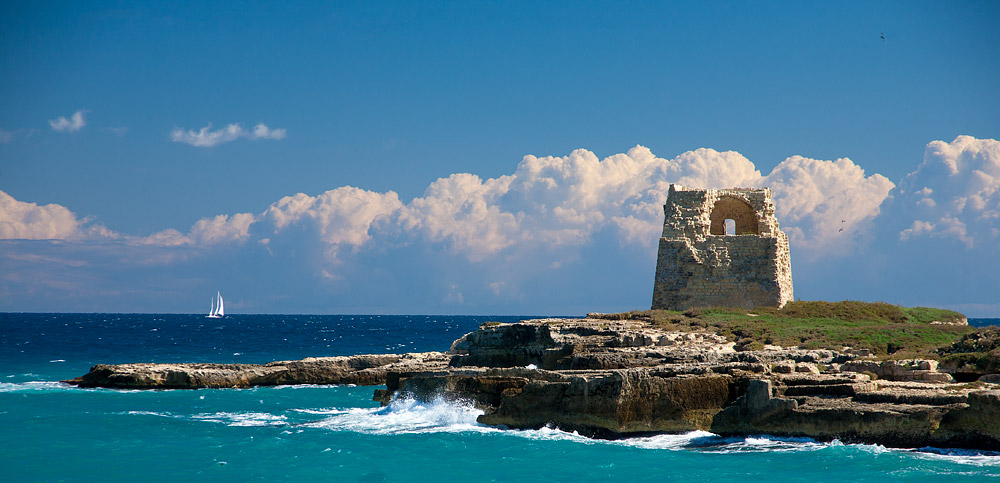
(621, 378)
(618, 378)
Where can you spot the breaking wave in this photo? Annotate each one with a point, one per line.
(404, 415)
(440, 415)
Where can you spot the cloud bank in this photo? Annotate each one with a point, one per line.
(73, 124)
(206, 137)
(556, 226)
(547, 203)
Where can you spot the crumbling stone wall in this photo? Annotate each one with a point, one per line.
(699, 265)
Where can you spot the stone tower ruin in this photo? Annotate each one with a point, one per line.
(699, 265)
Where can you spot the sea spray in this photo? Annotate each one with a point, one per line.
(407, 415)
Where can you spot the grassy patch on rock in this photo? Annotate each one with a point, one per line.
(889, 331)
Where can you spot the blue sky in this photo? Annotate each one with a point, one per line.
(147, 150)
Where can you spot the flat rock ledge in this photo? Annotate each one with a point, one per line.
(614, 379)
(362, 370)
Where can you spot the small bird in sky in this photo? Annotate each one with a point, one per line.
(883, 36)
(840, 230)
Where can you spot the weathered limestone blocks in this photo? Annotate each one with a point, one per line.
(700, 265)
(911, 370)
(791, 367)
(584, 344)
(889, 413)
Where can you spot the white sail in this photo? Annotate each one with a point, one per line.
(217, 308)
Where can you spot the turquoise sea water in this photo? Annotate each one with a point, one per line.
(53, 432)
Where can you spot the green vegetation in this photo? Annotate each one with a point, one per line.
(889, 331)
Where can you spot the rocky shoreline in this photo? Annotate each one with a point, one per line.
(612, 379)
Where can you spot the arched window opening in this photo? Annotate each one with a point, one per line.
(742, 215)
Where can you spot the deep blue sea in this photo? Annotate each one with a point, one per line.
(53, 432)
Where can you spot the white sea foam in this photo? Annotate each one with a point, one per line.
(693, 440)
(323, 411)
(405, 415)
(309, 386)
(243, 419)
(689, 440)
(149, 413)
(552, 433)
(249, 419)
(771, 444)
(408, 415)
(961, 456)
(33, 386)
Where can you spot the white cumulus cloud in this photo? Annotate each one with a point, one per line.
(206, 137)
(261, 131)
(205, 232)
(550, 202)
(21, 220)
(73, 124)
(955, 192)
(29, 221)
(822, 204)
(342, 216)
(461, 210)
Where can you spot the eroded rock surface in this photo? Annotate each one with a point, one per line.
(622, 378)
(370, 369)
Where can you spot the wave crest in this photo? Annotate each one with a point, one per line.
(407, 415)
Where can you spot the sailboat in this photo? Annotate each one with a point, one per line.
(218, 308)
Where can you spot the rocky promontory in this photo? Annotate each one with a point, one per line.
(619, 378)
(362, 370)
